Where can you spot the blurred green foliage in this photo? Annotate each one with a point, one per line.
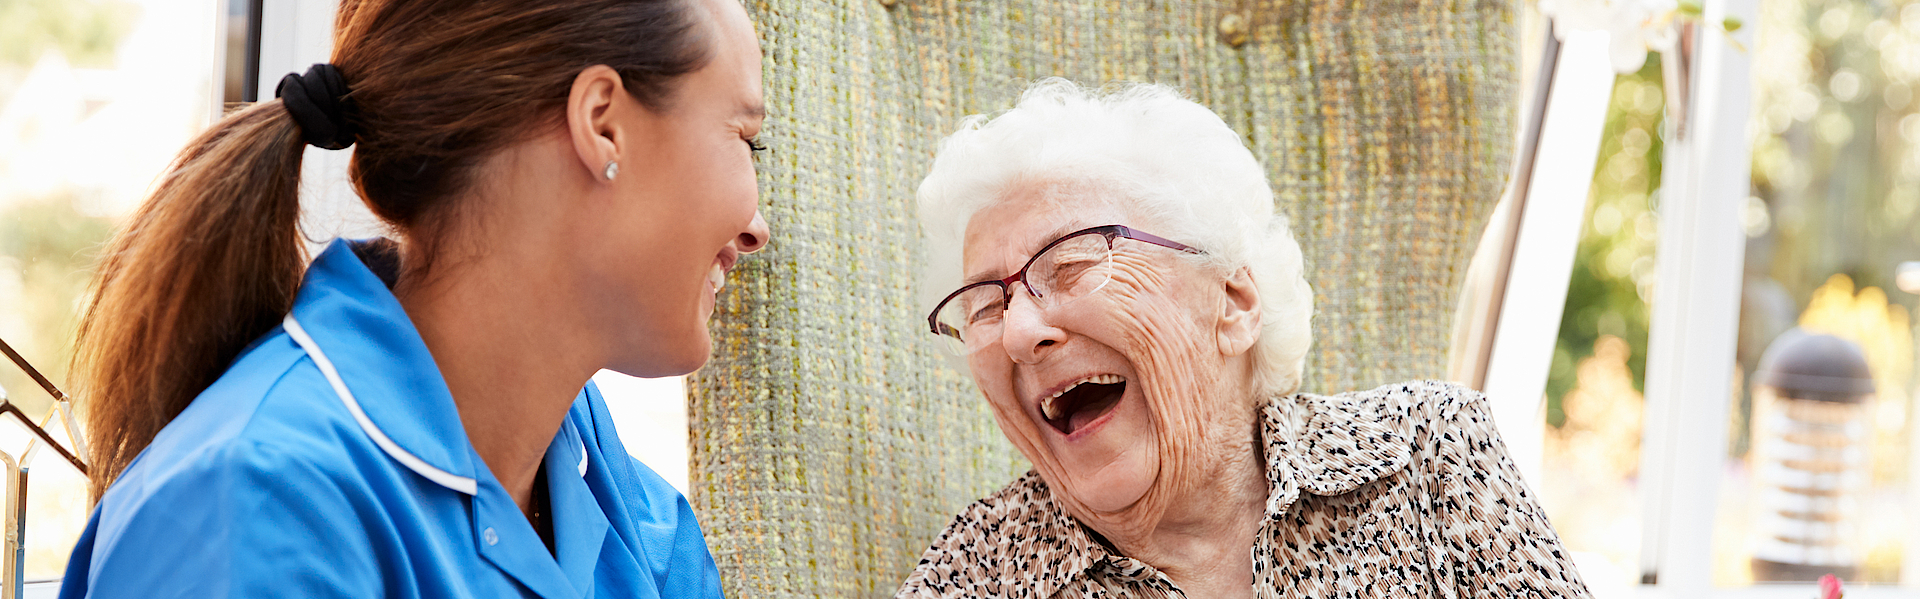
(45, 243)
(48, 245)
(1613, 270)
(86, 31)
(1836, 172)
(1835, 136)
(47, 248)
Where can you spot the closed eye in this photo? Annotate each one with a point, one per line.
(986, 313)
(1065, 273)
(753, 144)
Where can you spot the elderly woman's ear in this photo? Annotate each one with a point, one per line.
(1239, 324)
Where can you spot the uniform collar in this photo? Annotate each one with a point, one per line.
(368, 345)
(357, 334)
(505, 538)
(1321, 445)
(579, 532)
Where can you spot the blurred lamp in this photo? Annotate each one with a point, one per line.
(1907, 277)
(1810, 450)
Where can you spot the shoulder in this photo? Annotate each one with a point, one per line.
(1443, 414)
(1448, 429)
(271, 407)
(1013, 541)
(238, 517)
(267, 439)
(1416, 409)
(265, 476)
(1417, 399)
(1354, 438)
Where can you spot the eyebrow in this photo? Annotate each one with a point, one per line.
(758, 111)
(1050, 237)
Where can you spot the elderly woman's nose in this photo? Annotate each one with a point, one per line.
(1025, 332)
(756, 236)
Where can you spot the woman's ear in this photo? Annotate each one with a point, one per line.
(1239, 323)
(591, 106)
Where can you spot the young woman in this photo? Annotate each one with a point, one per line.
(567, 183)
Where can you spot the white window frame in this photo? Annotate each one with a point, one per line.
(1706, 179)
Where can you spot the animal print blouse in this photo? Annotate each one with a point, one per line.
(1402, 491)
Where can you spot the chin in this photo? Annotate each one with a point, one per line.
(655, 358)
(1114, 488)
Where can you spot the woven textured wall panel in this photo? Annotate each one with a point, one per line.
(831, 442)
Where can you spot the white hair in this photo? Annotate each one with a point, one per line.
(1170, 160)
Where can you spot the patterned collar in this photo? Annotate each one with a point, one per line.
(1334, 446)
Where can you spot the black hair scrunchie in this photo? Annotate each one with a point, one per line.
(319, 104)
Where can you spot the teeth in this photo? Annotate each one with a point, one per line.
(1050, 410)
(717, 276)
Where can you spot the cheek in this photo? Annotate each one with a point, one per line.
(1143, 325)
(700, 163)
(1150, 313)
(1173, 355)
(732, 190)
(684, 203)
(701, 202)
(995, 380)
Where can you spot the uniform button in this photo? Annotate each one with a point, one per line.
(492, 538)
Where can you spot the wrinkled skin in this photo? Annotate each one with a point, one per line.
(1171, 475)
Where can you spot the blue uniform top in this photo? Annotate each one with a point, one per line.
(329, 461)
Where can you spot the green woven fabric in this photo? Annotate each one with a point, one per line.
(830, 442)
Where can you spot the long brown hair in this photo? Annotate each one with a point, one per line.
(213, 258)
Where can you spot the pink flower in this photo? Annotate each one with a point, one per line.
(1830, 587)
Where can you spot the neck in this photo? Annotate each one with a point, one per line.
(1204, 541)
(511, 371)
(513, 360)
(1203, 537)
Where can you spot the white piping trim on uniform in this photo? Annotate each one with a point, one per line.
(445, 479)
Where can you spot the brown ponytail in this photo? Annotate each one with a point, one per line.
(213, 259)
(208, 263)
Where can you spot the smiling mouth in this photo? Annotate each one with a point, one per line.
(1083, 402)
(722, 264)
(717, 277)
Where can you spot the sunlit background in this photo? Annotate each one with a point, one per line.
(97, 95)
(1836, 184)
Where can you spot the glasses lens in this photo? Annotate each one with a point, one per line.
(1071, 269)
(971, 318)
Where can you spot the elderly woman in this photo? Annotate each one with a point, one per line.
(1134, 312)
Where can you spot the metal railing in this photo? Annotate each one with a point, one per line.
(13, 551)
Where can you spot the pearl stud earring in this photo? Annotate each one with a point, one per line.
(613, 169)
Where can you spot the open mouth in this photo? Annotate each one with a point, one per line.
(717, 277)
(1083, 402)
(722, 264)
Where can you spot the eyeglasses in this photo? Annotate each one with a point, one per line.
(1074, 266)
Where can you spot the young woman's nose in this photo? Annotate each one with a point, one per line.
(756, 237)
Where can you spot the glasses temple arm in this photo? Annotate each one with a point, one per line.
(1138, 235)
